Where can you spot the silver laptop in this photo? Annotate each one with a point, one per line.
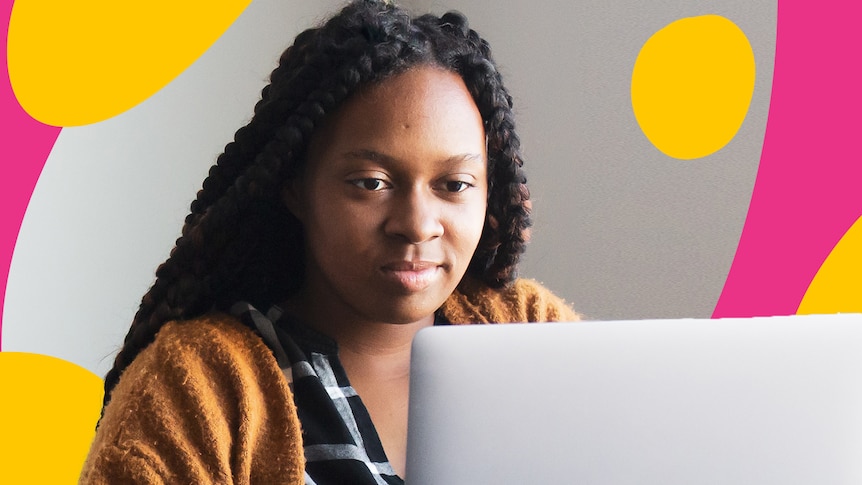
(774, 400)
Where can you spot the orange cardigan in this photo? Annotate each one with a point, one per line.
(206, 402)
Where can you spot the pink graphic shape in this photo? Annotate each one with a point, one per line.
(26, 145)
(807, 192)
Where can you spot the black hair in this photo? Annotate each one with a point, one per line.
(240, 243)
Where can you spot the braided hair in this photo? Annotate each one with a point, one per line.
(239, 242)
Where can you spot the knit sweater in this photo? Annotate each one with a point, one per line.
(206, 402)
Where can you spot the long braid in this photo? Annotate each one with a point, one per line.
(239, 242)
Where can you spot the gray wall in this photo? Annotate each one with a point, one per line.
(622, 231)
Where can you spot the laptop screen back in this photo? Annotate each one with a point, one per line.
(773, 400)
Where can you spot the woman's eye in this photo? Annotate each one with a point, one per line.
(371, 184)
(457, 186)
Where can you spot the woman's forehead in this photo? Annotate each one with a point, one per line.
(434, 85)
(426, 109)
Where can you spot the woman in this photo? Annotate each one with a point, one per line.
(376, 191)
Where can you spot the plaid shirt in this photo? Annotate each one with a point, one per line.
(340, 442)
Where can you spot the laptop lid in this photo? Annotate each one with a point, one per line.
(774, 400)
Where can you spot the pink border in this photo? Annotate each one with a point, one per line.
(807, 193)
(26, 145)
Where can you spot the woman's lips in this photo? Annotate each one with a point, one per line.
(412, 276)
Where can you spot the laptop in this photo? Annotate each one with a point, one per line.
(773, 400)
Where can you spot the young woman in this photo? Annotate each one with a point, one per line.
(377, 190)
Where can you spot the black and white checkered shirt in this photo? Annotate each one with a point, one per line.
(340, 442)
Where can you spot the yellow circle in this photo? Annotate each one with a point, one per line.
(48, 416)
(837, 286)
(692, 85)
(75, 63)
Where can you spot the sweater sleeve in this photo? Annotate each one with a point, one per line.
(205, 403)
(523, 301)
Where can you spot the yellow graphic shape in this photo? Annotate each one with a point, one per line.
(837, 286)
(48, 413)
(74, 63)
(692, 85)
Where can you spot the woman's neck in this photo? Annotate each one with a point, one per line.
(354, 334)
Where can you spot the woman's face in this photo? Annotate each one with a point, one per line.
(393, 199)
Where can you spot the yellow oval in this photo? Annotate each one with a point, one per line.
(75, 63)
(48, 415)
(692, 85)
(837, 286)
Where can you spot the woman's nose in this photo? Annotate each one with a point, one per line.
(414, 217)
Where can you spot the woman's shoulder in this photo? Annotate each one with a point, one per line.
(215, 349)
(524, 300)
(201, 387)
(208, 343)
(210, 333)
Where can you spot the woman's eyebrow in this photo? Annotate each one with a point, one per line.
(371, 155)
(467, 157)
(376, 156)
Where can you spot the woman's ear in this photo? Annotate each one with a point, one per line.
(291, 196)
